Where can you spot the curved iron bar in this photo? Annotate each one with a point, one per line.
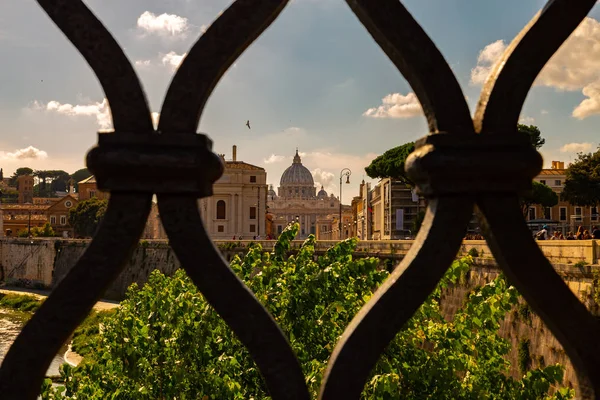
(394, 303)
(234, 302)
(518, 255)
(27, 360)
(129, 107)
(210, 57)
(506, 88)
(191, 87)
(444, 105)
(544, 290)
(416, 56)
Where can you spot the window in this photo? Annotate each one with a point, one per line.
(252, 212)
(53, 220)
(562, 216)
(531, 213)
(252, 179)
(548, 212)
(594, 213)
(557, 182)
(252, 228)
(221, 209)
(312, 230)
(578, 214)
(68, 204)
(279, 228)
(63, 219)
(324, 228)
(543, 181)
(330, 204)
(92, 193)
(220, 228)
(303, 233)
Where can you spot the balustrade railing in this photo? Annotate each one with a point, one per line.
(451, 166)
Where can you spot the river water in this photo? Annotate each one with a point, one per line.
(10, 326)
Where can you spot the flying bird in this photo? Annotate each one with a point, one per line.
(248, 124)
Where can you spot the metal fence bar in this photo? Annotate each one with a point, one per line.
(452, 167)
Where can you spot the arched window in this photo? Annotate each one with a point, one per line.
(221, 209)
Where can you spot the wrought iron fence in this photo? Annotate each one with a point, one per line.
(452, 167)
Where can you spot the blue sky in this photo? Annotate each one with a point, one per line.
(314, 80)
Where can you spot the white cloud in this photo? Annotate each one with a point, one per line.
(486, 60)
(574, 67)
(204, 28)
(28, 153)
(101, 111)
(544, 112)
(526, 120)
(163, 24)
(274, 159)
(576, 148)
(173, 59)
(142, 63)
(396, 105)
(322, 178)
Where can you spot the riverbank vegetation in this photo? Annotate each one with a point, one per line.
(20, 302)
(165, 341)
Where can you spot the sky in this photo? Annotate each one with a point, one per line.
(315, 80)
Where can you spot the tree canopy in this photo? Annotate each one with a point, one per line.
(535, 136)
(85, 217)
(582, 185)
(80, 175)
(20, 171)
(540, 194)
(165, 341)
(391, 164)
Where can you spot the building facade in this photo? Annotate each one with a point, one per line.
(25, 187)
(238, 205)
(87, 189)
(564, 216)
(297, 200)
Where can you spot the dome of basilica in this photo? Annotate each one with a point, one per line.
(322, 193)
(297, 174)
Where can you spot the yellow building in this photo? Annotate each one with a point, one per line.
(564, 216)
(88, 189)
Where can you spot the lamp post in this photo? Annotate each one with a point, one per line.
(29, 225)
(344, 172)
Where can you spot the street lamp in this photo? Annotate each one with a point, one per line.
(344, 172)
(362, 228)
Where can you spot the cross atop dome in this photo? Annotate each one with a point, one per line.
(297, 159)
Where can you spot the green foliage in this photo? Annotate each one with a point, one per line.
(580, 264)
(36, 231)
(524, 355)
(80, 175)
(473, 252)
(582, 186)
(20, 302)
(535, 136)
(391, 164)
(19, 172)
(85, 336)
(524, 312)
(165, 341)
(86, 216)
(540, 194)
